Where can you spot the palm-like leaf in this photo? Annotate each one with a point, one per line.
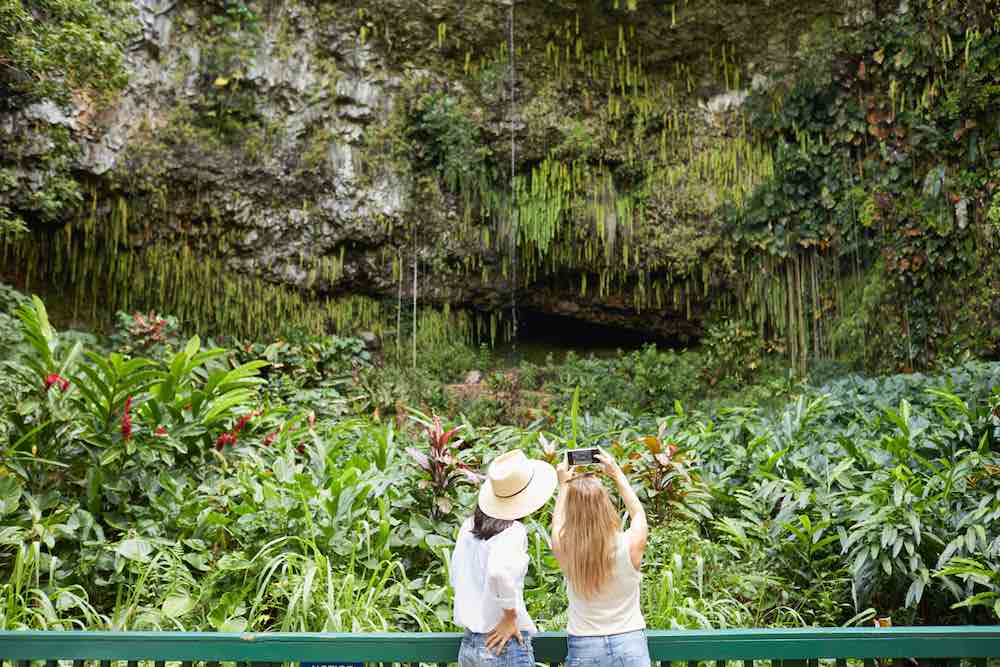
(37, 330)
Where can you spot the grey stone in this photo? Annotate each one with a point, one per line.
(371, 341)
(313, 80)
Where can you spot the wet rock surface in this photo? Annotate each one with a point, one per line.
(300, 176)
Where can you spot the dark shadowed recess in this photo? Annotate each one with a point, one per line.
(540, 334)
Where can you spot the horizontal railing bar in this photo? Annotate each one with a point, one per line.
(797, 644)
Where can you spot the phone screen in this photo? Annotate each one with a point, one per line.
(581, 457)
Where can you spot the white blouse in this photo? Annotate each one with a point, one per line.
(488, 577)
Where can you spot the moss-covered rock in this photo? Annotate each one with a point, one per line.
(318, 150)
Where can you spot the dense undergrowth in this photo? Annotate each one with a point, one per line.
(147, 481)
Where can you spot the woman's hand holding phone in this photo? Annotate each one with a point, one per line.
(608, 463)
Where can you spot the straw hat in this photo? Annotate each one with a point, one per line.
(516, 486)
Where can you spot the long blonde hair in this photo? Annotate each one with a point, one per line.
(587, 538)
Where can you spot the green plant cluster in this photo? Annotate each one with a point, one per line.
(886, 489)
(447, 141)
(648, 380)
(179, 487)
(63, 52)
(52, 49)
(229, 101)
(886, 145)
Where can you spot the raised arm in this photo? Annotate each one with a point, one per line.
(638, 531)
(558, 514)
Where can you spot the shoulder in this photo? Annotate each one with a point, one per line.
(516, 533)
(465, 530)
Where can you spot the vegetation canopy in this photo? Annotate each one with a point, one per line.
(299, 240)
(148, 482)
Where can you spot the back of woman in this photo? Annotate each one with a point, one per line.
(614, 607)
(601, 563)
(490, 561)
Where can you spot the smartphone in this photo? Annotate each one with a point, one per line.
(582, 457)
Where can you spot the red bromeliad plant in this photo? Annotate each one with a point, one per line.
(442, 464)
(667, 480)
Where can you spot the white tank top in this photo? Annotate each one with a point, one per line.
(615, 608)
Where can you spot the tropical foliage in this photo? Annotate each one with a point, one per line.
(176, 485)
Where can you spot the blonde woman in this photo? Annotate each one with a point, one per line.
(491, 559)
(601, 563)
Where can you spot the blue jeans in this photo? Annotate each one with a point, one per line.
(474, 653)
(629, 649)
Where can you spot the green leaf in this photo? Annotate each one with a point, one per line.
(135, 549)
(192, 347)
(110, 456)
(914, 593)
(434, 540)
(238, 624)
(418, 531)
(10, 495)
(233, 562)
(434, 596)
(197, 560)
(176, 606)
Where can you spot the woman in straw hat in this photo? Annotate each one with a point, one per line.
(491, 559)
(601, 563)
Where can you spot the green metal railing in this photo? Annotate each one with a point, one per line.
(974, 646)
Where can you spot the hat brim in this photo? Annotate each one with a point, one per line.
(543, 483)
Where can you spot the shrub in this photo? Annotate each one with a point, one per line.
(447, 140)
(733, 351)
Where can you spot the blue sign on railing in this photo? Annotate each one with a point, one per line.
(331, 664)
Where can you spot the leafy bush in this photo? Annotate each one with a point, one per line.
(842, 482)
(733, 351)
(10, 335)
(161, 491)
(51, 48)
(447, 139)
(641, 381)
(146, 333)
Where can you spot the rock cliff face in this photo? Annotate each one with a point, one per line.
(325, 147)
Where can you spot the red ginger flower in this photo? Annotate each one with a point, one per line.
(225, 439)
(241, 422)
(161, 431)
(269, 439)
(55, 378)
(127, 420)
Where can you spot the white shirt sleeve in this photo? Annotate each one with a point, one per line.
(458, 555)
(508, 563)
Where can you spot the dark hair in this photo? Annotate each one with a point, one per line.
(484, 526)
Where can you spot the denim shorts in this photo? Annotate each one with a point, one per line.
(629, 649)
(474, 653)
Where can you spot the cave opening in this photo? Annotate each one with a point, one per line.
(541, 334)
